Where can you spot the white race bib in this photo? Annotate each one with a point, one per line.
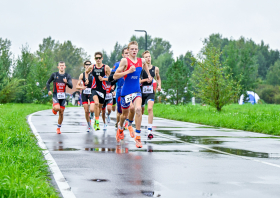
(61, 95)
(148, 89)
(130, 97)
(109, 96)
(100, 94)
(87, 91)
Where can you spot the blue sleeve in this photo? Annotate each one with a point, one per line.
(116, 65)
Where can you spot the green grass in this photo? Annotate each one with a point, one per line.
(257, 118)
(23, 170)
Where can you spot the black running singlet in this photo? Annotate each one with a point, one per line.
(59, 85)
(89, 80)
(96, 83)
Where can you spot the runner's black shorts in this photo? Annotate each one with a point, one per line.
(147, 97)
(107, 102)
(101, 95)
(60, 102)
(86, 98)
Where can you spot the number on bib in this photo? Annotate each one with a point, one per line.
(87, 91)
(130, 97)
(108, 96)
(61, 95)
(148, 89)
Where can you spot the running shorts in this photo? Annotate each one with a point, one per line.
(133, 96)
(147, 97)
(107, 102)
(101, 95)
(60, 102)
(86, 98)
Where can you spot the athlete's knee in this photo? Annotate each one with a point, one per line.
(56, 108)
(139, 110)
(150, 109)
(96, 104)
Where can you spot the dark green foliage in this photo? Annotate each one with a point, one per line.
(270, 94)
(273, 74)
(177, 85)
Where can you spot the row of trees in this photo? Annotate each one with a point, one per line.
(223, 66)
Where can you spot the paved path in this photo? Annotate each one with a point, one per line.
(183, 160)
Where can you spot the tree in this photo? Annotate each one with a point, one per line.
(273, 74)
(5, 62)
(212, 83)
(177, 85)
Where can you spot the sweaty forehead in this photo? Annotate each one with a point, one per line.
(133, 46)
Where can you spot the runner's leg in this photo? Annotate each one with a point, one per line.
(138, 120)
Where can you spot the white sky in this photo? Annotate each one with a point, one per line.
(96, 25)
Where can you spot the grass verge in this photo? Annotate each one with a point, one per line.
(23, 170)
(257, 118)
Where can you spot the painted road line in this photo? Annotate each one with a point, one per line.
(62, 184)
(218, 151)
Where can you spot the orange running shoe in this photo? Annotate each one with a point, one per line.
(138, 142)
(131, 131)
(58, 131)
(120, 134)
(126, 125)
(54, 112)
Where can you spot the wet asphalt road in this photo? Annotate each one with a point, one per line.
(176, 163)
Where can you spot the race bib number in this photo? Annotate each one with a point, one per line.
(148, 89)
(100, 94)
(130, 97)
(87, 91)
(61, 95)
(109, 96)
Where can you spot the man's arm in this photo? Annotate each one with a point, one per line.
(69, 82)
(158, 79)
(48, 83)
(120, 71)
(141, 77)
(145, 66)
(79, 84)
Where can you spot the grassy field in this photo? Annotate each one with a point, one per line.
(23, 170)
(257, 118)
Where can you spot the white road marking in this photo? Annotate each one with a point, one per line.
(62, 184)
(218, 151)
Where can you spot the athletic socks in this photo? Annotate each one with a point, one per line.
(129, 122)
(88, 124)
(138, 131)
(97, 119)
(59, 126)
(150, 127)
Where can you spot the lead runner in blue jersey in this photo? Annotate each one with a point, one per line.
(130, 68)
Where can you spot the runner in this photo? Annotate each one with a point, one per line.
(60, 80)
(108, 102)
(148, 90)
(119, 84)
(86, 93)
(98, 85)
(130, 68)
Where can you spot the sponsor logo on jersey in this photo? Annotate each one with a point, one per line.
(60, 84)
(134, 77)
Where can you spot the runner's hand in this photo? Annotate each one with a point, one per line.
(50, 93)
(114, 93)
(132, 69)
(65, 80)
(159, 88)
(100, 78)
(84, 87)
(150, 79)
(86, 83)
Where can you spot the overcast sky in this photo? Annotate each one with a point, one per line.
(96, 25)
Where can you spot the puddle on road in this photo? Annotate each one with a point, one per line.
(99, 180)
(124, 193)
(192, 139)
(240, 152)
(65, 149)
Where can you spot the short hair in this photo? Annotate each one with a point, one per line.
(87, 61)
(124, 49)
(98, 53)
(146, 52)
(132, 43)
(61, 62)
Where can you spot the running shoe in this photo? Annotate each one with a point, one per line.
(58, 131)
(126, 125)
(120, 134)
(138, 142)
(54, 112)
(131, 131)
(150, 135)
(105, 127)
(91, 116)
(108, 118)
(88, 129)
(96, 125)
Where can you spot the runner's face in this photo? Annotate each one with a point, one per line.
(133, 50)
(87, 65)
(61, 67)
(125, 53)
(148, 58)
(98, 59)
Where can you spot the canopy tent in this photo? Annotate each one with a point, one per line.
(252, 98)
